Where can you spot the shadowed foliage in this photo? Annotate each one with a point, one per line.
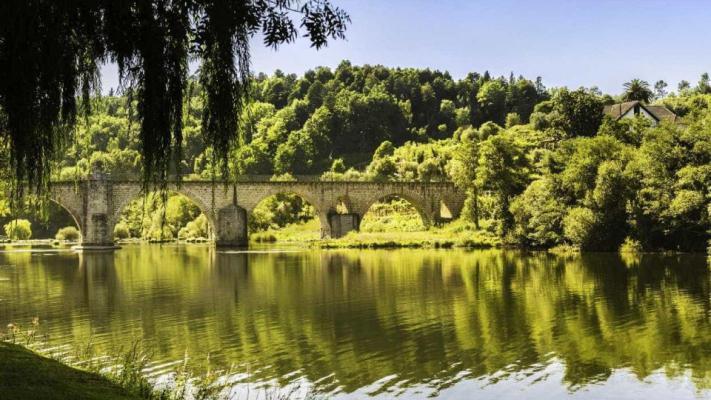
(50, 53)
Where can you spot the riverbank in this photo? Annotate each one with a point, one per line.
(457, 234)
(25, 374)
(36, 244)
(437, 238)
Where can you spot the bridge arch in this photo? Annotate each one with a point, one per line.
(321, 211)
(71, 199)
(123, 201)
(75, 217)
(426, 217)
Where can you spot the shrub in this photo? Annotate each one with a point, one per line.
(158, 233)
(121, 231)
(488, 129)
(512, 119)
(18, 229)
(70, 233)
(394, 214)
(579, 226)
(197, 228)
(631, 245)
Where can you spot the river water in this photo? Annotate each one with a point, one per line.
(385, 323)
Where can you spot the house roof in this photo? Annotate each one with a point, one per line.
(660, 113)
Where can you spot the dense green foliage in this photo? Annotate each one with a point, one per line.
(541, 167)
(18, 229)
(50, 53)
(161, 217)
(69, 233)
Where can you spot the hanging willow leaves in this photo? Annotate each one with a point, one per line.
(50, 52)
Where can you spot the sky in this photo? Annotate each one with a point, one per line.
(572, 43)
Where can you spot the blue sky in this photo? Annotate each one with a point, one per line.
(569, 43)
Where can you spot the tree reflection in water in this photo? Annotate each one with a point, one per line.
(379, 321)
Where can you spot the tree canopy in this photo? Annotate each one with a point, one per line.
(637, 89)
(50, 53)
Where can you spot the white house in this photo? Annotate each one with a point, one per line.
(631, 109)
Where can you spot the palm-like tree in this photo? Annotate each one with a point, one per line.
(637, 89)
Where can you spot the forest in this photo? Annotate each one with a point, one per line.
(542, 167)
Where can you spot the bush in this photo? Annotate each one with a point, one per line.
(197, 228)
(488, 129)
(121, 231)
(158, 233)
(393, 215)
(18, 229)
(579, 226)
(631, 245)
(69, 233)
(512, 119)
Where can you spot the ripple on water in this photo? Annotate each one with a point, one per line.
(383, 323)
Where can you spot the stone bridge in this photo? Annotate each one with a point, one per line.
(96, 203)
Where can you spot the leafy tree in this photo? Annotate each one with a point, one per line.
(18, 229)
(637, 89)
(462, 171)
(253, 159)
(121, 231)
(660, 89)
(503, 168)
(492, 101)
(538, 215)
(276, 91)
(197, 228)
(179, 210)
(704, 87)
(578, 113)
(580, 227)
(672, 175)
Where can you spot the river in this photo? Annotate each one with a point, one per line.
(385, 323)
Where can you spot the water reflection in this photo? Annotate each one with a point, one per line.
(383, 322)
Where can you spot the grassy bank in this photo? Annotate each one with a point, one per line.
(394, 233)
(36, 244)
(305, 232)
(27, 375)
(455, 234)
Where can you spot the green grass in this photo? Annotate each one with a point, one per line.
(454, 234)
(309, 231)
(27, 375)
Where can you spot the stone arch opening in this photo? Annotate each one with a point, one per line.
(395, 212)
(72, 216)
(445, 211)
(343, 205)
(46, 220)
(284, 215)
(158, 217)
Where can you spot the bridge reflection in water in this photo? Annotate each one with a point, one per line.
(387, 322)
(96, 203)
